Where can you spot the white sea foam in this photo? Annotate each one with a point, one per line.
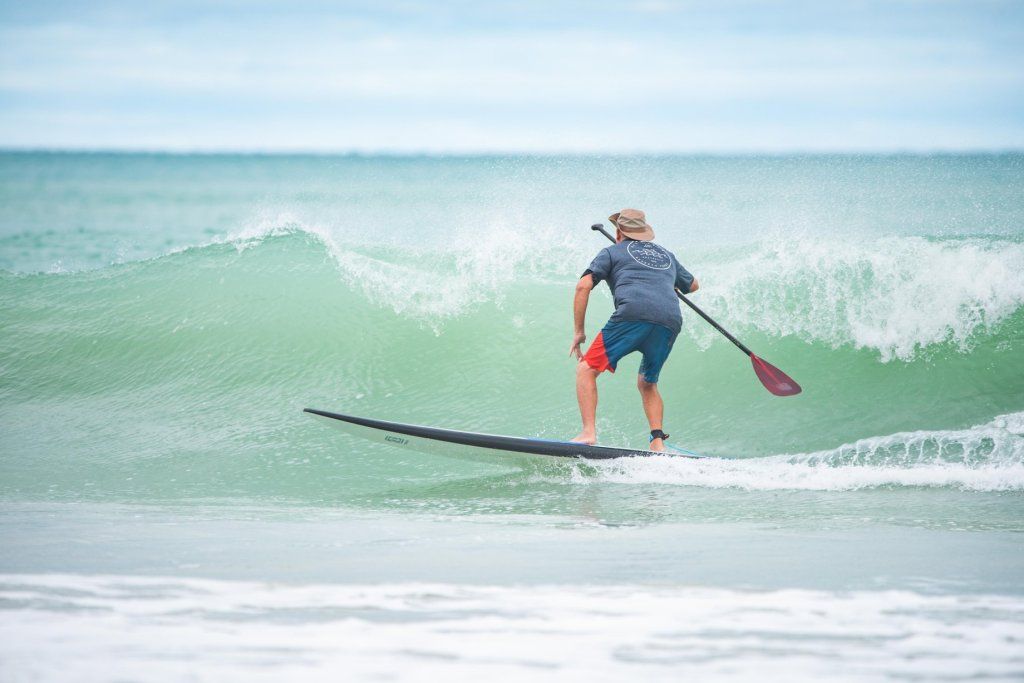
(988, 457)
(894, 295)
(71, 628)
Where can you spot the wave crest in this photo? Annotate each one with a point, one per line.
(432, 283)
(895, 296)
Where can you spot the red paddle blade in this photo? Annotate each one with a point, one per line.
(773, 379)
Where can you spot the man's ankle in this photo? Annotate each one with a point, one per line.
(658, 435)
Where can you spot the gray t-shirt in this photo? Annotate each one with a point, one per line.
(643, 277)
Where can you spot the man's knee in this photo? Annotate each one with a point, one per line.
(583, 368)
(644, 386)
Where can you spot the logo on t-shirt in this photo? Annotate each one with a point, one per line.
(649, 255)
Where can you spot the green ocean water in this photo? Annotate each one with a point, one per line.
(165, 318)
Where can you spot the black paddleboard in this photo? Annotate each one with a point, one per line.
(445, 441)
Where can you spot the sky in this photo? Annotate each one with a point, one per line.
(454, 76)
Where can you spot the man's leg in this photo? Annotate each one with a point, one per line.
(654, 408)
(656, 348)
(586, 394)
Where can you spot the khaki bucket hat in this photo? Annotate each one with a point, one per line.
(633, 224)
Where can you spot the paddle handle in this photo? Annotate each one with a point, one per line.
(711, 321)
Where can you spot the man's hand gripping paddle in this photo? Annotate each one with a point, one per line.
(773, 379)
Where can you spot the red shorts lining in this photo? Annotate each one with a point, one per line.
(596, 356)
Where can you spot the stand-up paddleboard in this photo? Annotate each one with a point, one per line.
(450, 442)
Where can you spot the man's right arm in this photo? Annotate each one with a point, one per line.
(686, 283)
(579, 313)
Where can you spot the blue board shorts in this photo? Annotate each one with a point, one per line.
(618, 339)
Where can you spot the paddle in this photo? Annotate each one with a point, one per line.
(773, 379)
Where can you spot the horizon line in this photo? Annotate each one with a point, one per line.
(409, 153)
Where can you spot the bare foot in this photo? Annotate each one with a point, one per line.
(588, 439)
(658, 446)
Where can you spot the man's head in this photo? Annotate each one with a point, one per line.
(632, 224)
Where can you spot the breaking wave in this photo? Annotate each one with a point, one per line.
(896, 296)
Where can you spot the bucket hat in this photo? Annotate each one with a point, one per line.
(633, 224)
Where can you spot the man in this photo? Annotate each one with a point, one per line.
(643, 277)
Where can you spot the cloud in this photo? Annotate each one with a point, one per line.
(395, 77)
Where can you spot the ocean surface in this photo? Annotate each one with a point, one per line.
(168, 513)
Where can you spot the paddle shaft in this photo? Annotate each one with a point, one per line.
(696, 309)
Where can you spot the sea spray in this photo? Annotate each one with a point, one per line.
(988, 457)
(897, 296)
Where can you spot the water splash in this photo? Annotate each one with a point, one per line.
(988, 457)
